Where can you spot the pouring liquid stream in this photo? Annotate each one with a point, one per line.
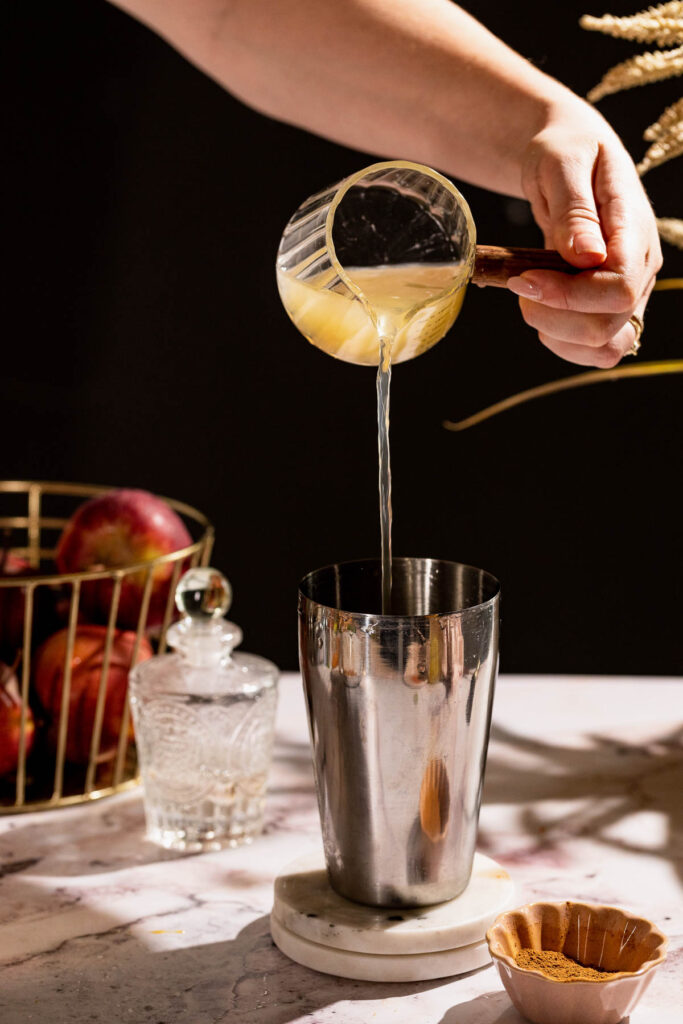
(405, 309)
(385, 508)
(394, 293)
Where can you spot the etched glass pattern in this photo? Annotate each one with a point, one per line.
(204, 762)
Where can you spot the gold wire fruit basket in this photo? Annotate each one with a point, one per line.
(32, 517)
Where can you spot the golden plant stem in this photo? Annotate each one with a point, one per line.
(668, 284)
(653, 369)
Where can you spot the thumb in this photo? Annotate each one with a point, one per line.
(574, 222)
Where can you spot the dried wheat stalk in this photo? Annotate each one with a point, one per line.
(639, 70)
(662, 25)
(665, 148)
(671, 230)
(666, 136)
(671, 117)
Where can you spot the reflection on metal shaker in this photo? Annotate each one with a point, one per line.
(399, 710)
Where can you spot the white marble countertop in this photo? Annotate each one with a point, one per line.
(583, 800)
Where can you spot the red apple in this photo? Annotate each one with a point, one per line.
(50, 606)
(10, 721)
(117, 529)
(12, 604)
(86, 671)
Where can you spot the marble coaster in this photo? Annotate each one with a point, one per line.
(316, 927)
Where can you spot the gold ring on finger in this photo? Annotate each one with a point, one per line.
(638, 326)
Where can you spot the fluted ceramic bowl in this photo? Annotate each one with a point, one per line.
(596, 936)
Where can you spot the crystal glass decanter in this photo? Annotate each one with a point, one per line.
(204, 722)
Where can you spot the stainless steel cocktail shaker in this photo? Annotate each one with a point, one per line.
(399, 710)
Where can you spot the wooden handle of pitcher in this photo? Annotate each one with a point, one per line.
(495, 264)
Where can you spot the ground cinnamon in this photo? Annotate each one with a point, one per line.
(559, 967)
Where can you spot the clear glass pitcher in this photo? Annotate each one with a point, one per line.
(387, 251)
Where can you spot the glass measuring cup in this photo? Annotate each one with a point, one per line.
(388, 251)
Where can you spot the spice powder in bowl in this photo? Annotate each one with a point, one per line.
(559, 967)
(574, 963)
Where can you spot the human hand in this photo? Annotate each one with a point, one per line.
(587, 199)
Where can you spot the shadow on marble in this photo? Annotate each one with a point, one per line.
(109, 837)
(112, 973)
(294, 991)
(610, 781)
(35, 920)
(487, 1008)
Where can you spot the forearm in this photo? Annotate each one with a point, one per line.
(405, 78)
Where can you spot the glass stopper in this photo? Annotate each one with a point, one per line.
(203, 594)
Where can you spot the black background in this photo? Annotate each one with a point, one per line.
(145, 345)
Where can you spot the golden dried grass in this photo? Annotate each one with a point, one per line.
(662, 25)
(642, 69)
(665, 148)
(672, 116)
(671, 230)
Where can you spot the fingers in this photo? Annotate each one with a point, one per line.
(593, 330)
(583, 338)
(591, 291)
(588, 200)
(592, 208)
(604, 358)
(574, 221)
(626, 215)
